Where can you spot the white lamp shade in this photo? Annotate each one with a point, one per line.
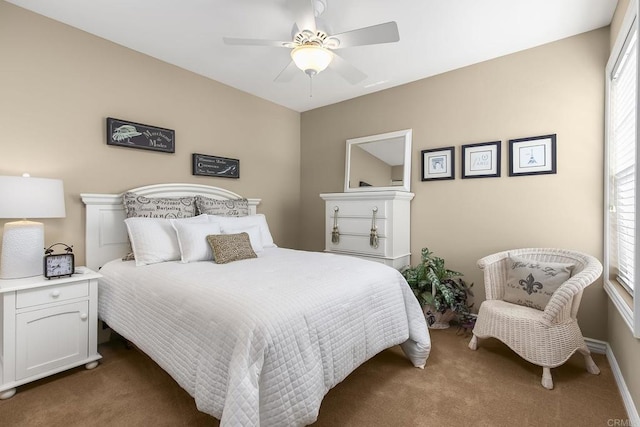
(311, 59)
(27, 197)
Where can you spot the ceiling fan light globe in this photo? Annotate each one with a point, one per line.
(311, 59)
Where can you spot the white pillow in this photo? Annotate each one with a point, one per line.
(154, 240)
(192, 239)
(255, 236)
(258, 219)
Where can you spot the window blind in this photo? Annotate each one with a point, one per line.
(622, 173)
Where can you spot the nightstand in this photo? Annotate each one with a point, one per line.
(47, 326)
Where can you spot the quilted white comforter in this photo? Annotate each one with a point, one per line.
(261, 341)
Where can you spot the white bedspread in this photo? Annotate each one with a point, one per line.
(261, 341)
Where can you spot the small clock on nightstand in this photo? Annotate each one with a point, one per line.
(58, 264)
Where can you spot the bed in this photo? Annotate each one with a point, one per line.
(258, 341)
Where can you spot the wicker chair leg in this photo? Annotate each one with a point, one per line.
(547, 381)
(473, 344)
(592, 368)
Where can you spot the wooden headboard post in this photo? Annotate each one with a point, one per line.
(106, 234)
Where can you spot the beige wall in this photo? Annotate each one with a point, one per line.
(625, 347)
(556, 88)
(58, 86)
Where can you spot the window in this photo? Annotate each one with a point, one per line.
(621, 218)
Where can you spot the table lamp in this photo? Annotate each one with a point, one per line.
(23, 241)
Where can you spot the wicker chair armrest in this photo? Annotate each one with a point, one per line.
(495, 274)
(560, 306)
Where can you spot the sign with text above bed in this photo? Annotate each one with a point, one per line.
(136, 135)
(215, 166)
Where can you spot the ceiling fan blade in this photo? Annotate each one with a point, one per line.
(254, 42)
(286, 75)
(346, 70)
(304, 14)
(376, 34)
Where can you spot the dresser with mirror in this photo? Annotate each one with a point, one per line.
(371, 219)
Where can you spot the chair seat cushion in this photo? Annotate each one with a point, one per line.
(531, 283)
(524, 331)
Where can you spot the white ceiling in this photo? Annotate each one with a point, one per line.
(435, 36)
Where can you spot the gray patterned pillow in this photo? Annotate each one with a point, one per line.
(158, 207)
(532, 283)
(230, 247)
(233, 207)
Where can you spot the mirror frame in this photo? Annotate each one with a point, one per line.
(406, 176)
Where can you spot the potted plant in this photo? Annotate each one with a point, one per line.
(440, 291)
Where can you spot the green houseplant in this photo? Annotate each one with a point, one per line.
(439, 290)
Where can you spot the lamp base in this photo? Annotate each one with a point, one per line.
(22, 250)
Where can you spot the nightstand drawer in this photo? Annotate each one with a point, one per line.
(54, 293)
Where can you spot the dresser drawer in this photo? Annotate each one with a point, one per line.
(357, 208)
(358, 245)
(357, 226)
(54, 293)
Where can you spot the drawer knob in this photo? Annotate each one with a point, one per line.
(84, 316)
(55, 293)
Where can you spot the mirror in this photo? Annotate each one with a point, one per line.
(379, 162)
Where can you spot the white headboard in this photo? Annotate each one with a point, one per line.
(106, 234)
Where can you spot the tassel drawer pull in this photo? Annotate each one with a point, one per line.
(373, 236)
(335, 234)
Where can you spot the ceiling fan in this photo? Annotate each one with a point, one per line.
(313, 47)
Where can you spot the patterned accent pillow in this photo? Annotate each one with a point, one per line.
(532, 283)
(230, 247)
(233, 207)
(158, 207)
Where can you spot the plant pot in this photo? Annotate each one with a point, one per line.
(438, 319)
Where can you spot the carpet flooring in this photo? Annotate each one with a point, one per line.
(459, 387)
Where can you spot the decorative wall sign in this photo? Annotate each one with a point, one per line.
(532, 156)
(136, 135)
(438, 163)
(215, 166)
(481, 160)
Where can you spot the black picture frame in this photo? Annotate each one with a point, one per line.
(535, 155)
(438, 164)
(222, 167)
(481, 160)
(124, 133)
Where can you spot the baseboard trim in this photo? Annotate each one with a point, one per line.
(602, 347)
(596, 346)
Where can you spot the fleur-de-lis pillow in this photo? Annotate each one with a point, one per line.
(532, 283)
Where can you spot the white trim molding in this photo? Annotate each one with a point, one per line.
(629, 405)
(620, 304)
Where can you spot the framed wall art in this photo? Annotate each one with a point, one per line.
(223, 167)
(535, 155)
(438, 163)
(481, 160)
(136, 135)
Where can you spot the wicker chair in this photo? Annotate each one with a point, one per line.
(545, 338)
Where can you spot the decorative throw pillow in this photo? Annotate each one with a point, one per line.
(532, 283)
(230, 247)
(235, 207)
(192, 239)
(158, 207)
